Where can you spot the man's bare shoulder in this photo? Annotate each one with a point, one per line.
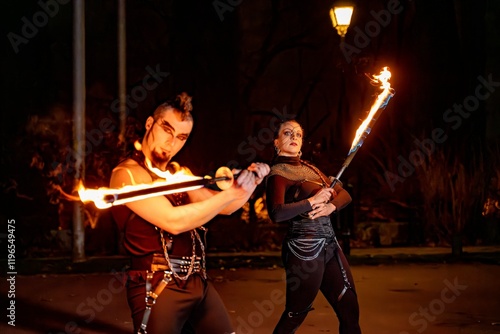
(128, 163)
(129, 172)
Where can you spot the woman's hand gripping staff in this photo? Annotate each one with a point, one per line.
(320, 203)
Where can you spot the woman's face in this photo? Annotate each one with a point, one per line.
(289, 141)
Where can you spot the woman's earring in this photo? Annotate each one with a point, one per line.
(277, 150)
(299, 154)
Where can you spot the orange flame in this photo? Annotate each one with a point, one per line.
(103, 198)
(380, 102)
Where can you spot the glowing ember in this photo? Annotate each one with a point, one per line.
(380, 103)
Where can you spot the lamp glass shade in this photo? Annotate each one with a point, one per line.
(341, 15)
(341, 18)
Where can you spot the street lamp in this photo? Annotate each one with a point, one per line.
(341, 13)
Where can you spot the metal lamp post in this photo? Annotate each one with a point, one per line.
(341, 14)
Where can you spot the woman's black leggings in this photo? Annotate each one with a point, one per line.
(304, 278)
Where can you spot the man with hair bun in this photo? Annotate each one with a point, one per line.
(167, 289)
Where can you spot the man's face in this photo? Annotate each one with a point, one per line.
(166, 136)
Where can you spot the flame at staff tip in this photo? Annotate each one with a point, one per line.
(380, 102)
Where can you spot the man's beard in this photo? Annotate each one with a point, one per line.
(158, 159)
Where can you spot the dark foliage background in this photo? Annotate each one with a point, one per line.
(245, 63)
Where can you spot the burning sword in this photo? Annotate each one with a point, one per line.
(104, 198)
(376, 109)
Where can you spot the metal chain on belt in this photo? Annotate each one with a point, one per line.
(202, 247)
(194, 236)
(300, 247)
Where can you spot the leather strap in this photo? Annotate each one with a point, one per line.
(347, 284)
(151, 296)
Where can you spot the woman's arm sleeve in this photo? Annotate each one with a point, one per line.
(275, 197)
(342, 199)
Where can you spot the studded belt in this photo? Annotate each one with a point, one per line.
(157, 262)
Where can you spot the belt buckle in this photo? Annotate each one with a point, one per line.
(159, 267)
(159, 263)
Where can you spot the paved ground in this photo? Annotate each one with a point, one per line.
(400, 297)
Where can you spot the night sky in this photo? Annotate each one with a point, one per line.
(245, 63)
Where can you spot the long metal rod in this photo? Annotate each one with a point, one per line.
(160, 190)
(104, 198)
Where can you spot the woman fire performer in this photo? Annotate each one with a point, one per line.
(300, 194)
(167, 289)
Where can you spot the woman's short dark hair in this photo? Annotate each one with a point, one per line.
(277, 130)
